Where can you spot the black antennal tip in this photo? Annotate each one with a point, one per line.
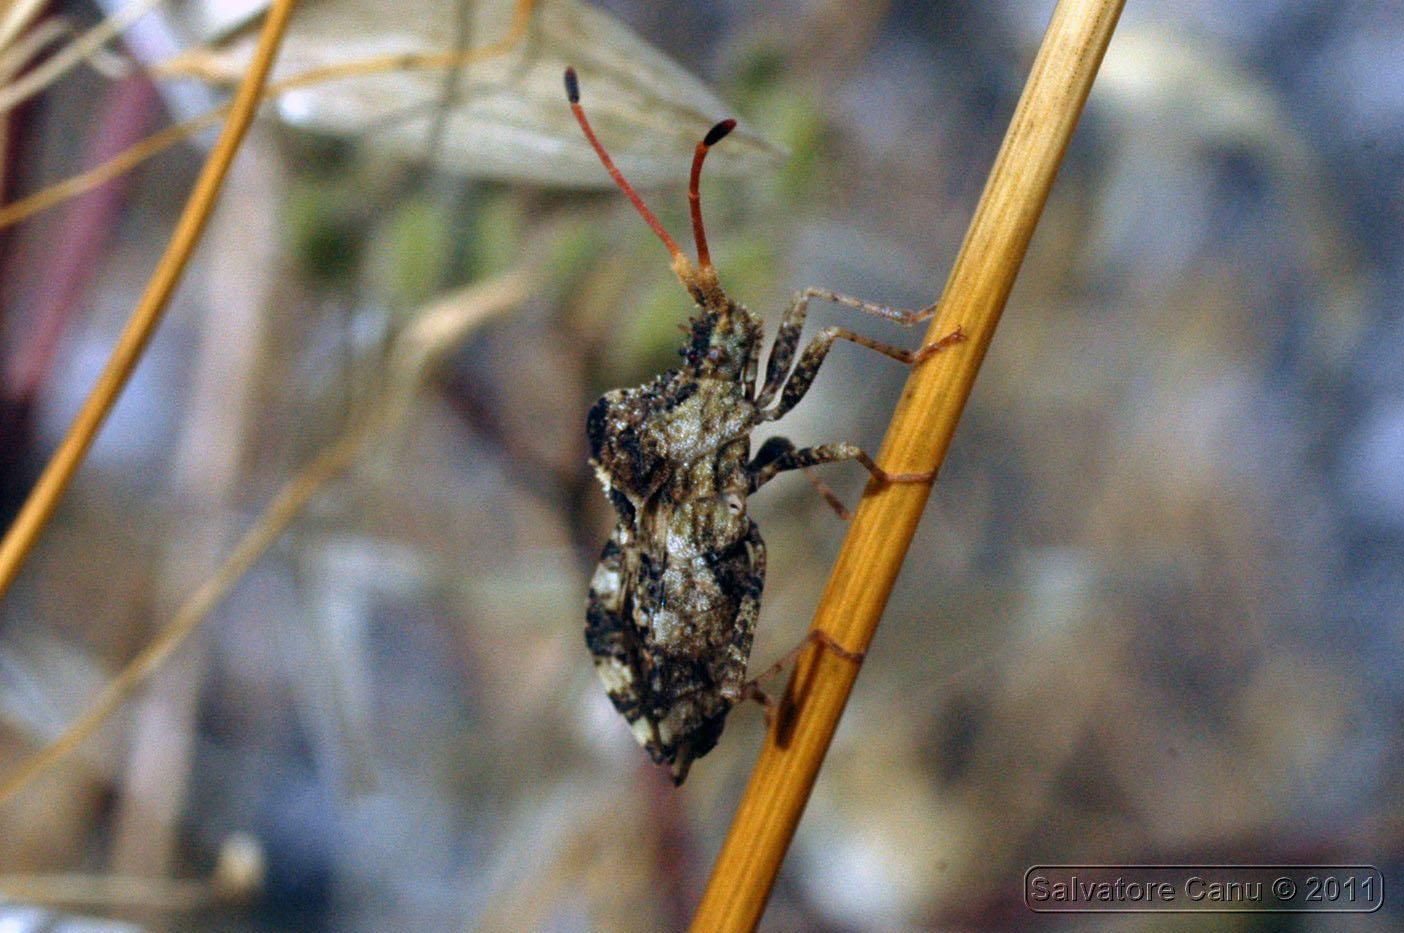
(573, 87)
(717, 133)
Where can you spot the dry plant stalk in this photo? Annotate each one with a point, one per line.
(109, 892)
(161, 140)
(917, 440)
(436, 330)
(79, 50)
(44, 497)
(15, 16)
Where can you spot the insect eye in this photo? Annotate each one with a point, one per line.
(716, 355)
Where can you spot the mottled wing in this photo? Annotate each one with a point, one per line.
(610, 633)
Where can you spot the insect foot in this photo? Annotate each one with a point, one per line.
(751, 689)
(673, 603)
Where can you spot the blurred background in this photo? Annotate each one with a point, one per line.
(1153, 612)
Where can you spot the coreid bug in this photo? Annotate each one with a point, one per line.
(673, 602)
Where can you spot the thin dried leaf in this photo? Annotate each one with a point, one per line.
(509, 118)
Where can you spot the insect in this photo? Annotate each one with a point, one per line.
(673, 603)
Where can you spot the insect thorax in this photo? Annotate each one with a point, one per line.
(665, 431)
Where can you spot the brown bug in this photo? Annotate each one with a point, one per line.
(674, 600)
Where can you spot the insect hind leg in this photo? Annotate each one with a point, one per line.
(751, 689)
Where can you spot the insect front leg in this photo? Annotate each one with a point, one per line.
(782, 351)
(813, 356)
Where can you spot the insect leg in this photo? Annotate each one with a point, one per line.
(813, 356)
(775, 447)
(751, 689)
(731, 675)
(782, 351)
(777, 455)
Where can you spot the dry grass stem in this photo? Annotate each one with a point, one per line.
(14, 57)
(158, 142)
(108, 892)
(71, 55)
(917, 440)
(437, 329)
(16, 16)
(43, 499)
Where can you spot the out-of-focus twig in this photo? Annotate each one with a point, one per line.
(43, 499)
(238, 876)
(15, 57)
(917, 440)
(239, 278)
(15, 17)
(84, 46)
(106, 892)
(124, 161)
(437, 329)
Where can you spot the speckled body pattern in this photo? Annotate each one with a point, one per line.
(674, 600)
(673, 603)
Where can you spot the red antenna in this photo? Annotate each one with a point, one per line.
(573, 93)
(694, 197)
(681, 264)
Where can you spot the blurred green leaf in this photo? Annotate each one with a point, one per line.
(326, 237)
(415, 250)
(494, 235)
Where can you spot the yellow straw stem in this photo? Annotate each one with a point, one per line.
(44, 498)
(917, 440)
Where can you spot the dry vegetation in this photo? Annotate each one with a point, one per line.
(1151, 613)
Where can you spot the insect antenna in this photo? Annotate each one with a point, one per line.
(694, 196)
(703, 284)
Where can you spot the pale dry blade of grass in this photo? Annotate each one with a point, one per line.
(14, 57)
(239, 874)
(510, 121)
(161, 140)
(17, 15)
(656, 115)
(71, 55)
(437, 329)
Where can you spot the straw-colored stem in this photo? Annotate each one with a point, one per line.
(44, 498)
(108, 892)
(917, 439)
(15, 16)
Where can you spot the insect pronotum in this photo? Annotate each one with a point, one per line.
(673, 602)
